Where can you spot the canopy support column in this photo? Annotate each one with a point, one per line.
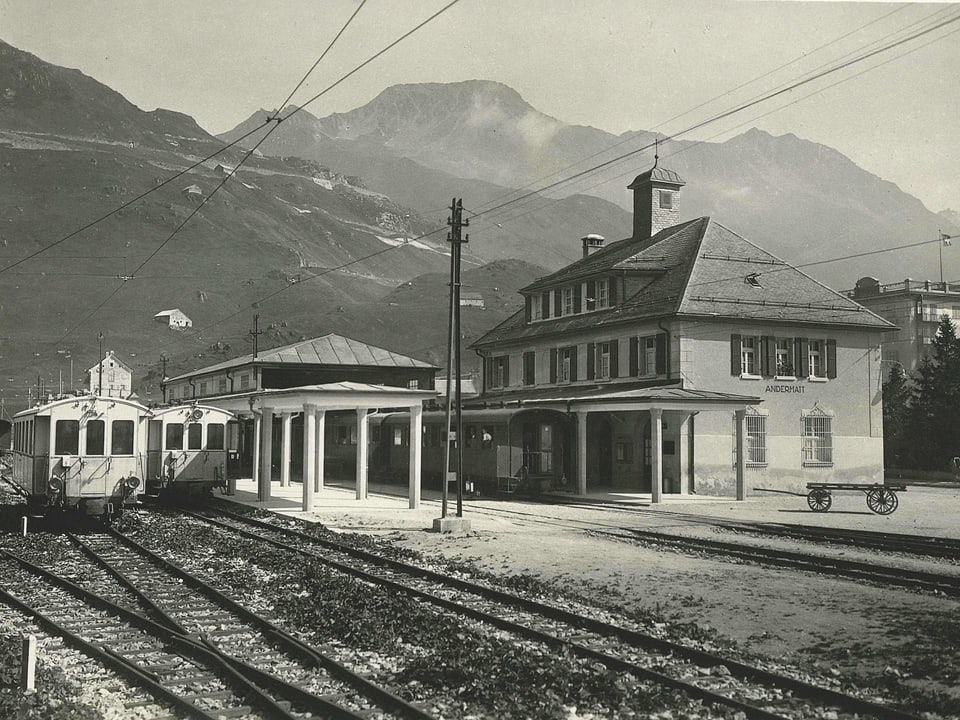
(318, 470)
(309, 454)
(416, 452)
(266, 455)
(656, 454)
(362, 429)
(286, 425)
(581, 452)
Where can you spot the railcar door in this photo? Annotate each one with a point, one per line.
(154, 451)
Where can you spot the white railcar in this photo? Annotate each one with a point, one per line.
(84, 453)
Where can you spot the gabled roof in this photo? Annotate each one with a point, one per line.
(162, 313)
(110, 354)
(695, 269)
(330, 349)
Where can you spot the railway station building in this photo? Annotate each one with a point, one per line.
(294, 390)
(686, 359)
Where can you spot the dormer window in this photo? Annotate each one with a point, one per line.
(602, 293)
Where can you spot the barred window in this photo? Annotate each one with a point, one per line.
(756, 440)
(817, 439)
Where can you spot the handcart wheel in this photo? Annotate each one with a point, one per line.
(819, 500)
(882, 501)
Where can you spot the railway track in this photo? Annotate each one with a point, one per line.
(721, 681)
(188, 644)
(920, 545)
(825, 564)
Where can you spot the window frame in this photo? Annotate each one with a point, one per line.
(218, 429)
(749, 356)
(755, 440)
(566, 301)
(170, 433)
(128, 436)
(103, 438)
(816, 426)
(62, 443)
(784, 346)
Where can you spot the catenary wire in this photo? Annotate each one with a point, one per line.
(727, 113)
(249, 153)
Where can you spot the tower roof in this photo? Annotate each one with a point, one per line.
(657, 174)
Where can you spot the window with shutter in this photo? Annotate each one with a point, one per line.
(591, 295)
(529, 368)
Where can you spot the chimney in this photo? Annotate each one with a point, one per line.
(656, 201)
(591, 243)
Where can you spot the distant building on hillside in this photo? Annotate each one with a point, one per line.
(916, 308)
(116, 377)
(471, 299)
(175, 319)
(194, 192)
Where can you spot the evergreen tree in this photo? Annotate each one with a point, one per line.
(934, 417)
(896, 409)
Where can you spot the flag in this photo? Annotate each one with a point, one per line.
(945, 239)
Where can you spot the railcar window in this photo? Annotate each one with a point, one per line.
(67, 441)
(174, 437)
(194, 431)
(215, 436)
(486, 437)
(96, 435)
(121, 437)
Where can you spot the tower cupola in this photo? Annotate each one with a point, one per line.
(656, 201)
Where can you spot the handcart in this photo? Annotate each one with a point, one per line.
(881, 499)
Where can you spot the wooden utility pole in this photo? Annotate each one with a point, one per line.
(255, 333)
(456, 239)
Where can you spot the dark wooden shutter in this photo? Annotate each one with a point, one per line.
(557, 303)
(528, 308)
(831, 359)
(591, 294)
(614, 295)
(530, 368)
(735, 362)
(573, 363)
(661, 354)
(545, 300)
(553, 365)
(803, 357)
(768, 362)
(614, 358)
(578, 298)
(634, 356)
(487, 373)
(591, 361)
(506, 370)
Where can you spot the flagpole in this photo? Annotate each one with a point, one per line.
(940, 247)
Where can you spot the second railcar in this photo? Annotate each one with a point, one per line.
(188, 448)
(502, 448)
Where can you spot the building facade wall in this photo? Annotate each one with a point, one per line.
(700, 354)
(852, 400)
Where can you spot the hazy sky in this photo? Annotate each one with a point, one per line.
(613, 64)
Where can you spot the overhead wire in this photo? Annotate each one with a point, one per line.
(690, 129)
(277, 121)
